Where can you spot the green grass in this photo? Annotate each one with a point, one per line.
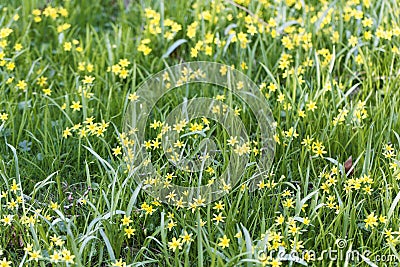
(328, 73)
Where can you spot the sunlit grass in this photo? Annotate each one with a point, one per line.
(69, 69)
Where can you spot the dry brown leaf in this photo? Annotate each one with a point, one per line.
(348, 164)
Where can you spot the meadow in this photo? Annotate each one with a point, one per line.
(71, 189)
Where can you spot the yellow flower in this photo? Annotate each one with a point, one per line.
(47, 92)
(272, 87)
(261, 185)
(223, 70)
(155, 144)
(18, 47)
(240, 85)
(63, 27)
(63, 12)
(133, 97)
(123, 73)
(76, 105)
(232, 141)
(243, 149)
(67, 46)
(5, 263)
(293, 229)
(179, 126)
(9, 80)
(57, 241)
(279, 220)
(144, 49)
(5, 32)
(67, 132)
(224, 242)
(115, 68)
(7, 220)
(194, 127)
(218, 218)
(179, 144)
(117, 151)
(3, 117)
(10, 66)
(21, 85)
(14, 186)
(382, 219)
(124, 62)
(28, 248)
(280, 98)
(175, 243)
(35, 255)
(36, 12)
(291, 133)
(88, 79)
(312, 105)
(126, 220)
(67, 257)
(119, 263)
(42, 81)
(186, 237)
(367, 22)
(371, 221)
(353, 41)
(89, 67)
(194, 52)
(275, 263)
(219, 206)
(171, 224)
(208, 50)
(191, 31)
(129, 231)
(54, 205)
(318, 148)
(55, 257)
